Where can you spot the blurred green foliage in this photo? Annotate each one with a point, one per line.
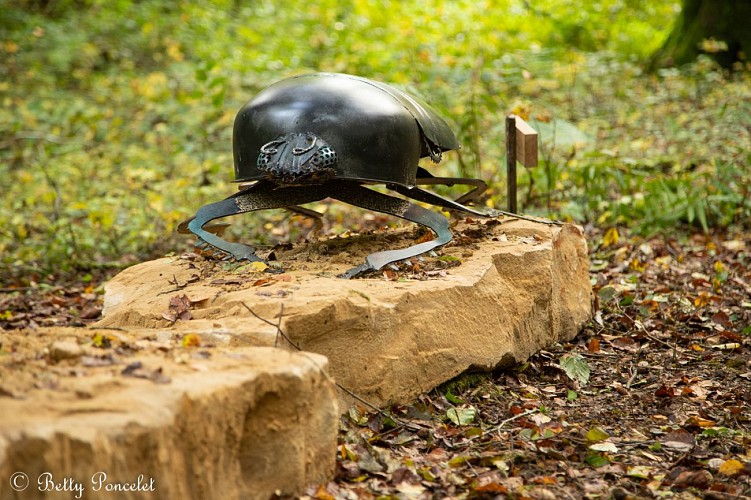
(116, 115)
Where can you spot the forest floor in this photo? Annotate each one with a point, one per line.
(652, 399)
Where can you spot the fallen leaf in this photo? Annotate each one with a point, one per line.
(427, 236)
(409, 490)
(461, 416)
(730, 467)
(492, 488)
(607, 293)
(605, 446)
(548, 480)
(695, 421)
(610, 238)
(679, 440)
(597, 459)
(576, 367)
(702, 300)
(179, 308)
(596, 434)
(191, 340)
(665, 392)
(722, 318)
(404, 475)
(101, 341)
(734, 245)
(696, 478)
(640, 471)
(322, 494)
(459, 461)
(593, 345)
(258, 266)
(347, 454)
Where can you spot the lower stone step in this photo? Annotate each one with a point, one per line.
(115, 414)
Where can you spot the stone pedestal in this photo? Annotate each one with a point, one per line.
(509, 288)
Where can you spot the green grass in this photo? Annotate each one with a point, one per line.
(116, 117)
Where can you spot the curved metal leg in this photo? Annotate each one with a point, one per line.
(434, 199)
(355, 194)
(259, 196)
(426, 178)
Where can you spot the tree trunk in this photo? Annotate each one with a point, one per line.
(725, 21)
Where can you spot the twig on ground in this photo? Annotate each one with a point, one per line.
(634, 373)
(497, 428)
(279, 331)
(279, 324)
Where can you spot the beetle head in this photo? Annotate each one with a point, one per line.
(297, 158)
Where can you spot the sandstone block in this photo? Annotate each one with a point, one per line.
(161, 418)
(520, 287)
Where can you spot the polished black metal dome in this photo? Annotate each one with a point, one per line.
(374, 132)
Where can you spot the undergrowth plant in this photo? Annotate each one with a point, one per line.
(116, 117)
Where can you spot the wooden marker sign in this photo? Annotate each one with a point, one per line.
(521, 145)
(526, 144)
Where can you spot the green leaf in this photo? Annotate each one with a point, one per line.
(717, 431)
(461, 416)
(606, 293)
(576, 368)
(597, 459)
(473, 432)
(596, 434)
(449, 258)
(459, 460)
(426, 474)
(452, 398)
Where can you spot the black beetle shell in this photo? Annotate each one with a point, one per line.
(377, 131)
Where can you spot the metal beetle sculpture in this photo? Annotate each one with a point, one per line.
(324, 135)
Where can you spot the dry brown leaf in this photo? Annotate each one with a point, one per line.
(696, 478)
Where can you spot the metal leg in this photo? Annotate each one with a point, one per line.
(434, 199)
(426, 178)
(259, 196)
(355, 194)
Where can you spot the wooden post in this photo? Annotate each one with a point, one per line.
(521, 145)
(511, 162)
